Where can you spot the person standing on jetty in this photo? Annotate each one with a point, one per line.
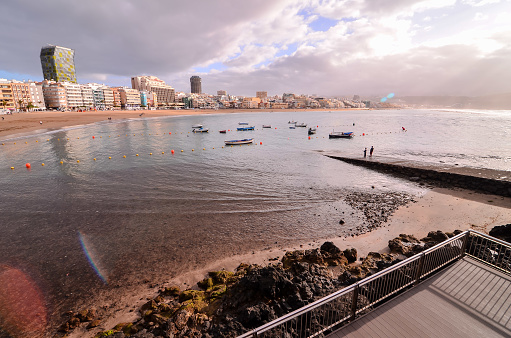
(365, 152)
(371, 151)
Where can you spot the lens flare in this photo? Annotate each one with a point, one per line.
(391, 95)
(383, 99)
(92, 257)
(22, 309)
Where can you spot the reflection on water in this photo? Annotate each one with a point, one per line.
(76, 226)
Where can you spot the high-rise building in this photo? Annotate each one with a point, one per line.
(58, 63)
(262, 95)
(54, 95)
(6, 96)
(36, 94)
(151, 84)
(21, 95)
(195, 83)
(73, 95)
(221, 92)
(130, 98)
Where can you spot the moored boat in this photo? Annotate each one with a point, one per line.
(340, 134)
(223, 131)
(301, 125)
(197, 126)
(246, 128)
(200, 130)
(242, 123)
(292, 127)
(266, 126)
(311, 131)
(236, 142)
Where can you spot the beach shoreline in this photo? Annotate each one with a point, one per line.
(440, 209)
(24, 123)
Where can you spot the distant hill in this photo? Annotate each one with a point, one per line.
(497, 101)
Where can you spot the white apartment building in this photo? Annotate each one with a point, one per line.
(130, 98)
(108, 95)
(36, 95)
(165, 93)
(73, 95)
(54, 95)
(87, 96)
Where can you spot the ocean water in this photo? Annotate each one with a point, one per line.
(76, 228)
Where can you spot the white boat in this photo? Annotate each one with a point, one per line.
(197, 126)
(302, 125)
(266, 126)
(236, 142)
(200, 130)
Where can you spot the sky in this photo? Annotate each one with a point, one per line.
(323, 47)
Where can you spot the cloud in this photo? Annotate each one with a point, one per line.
(328, 47)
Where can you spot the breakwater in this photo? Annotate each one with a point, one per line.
(483, 180)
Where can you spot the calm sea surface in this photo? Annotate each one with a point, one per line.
(79, 227)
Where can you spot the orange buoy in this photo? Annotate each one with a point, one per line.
(170, 133)
(150, 153)
(28, 165)
(109, 157)
(61, 162)
(94, 159)
(363, 134)
(182, 150)
(93, 137)
(309, 137)
(12, 168)
(77, 161)
(261, 143)
(124, 156)
(163, 152)
(172, 151)
(42, 164)
(136, 155)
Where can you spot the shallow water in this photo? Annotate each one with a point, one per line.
(79, 227)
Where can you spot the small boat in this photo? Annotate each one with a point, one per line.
(197, 126)
(242, 123)
(301, 125)
(340, 134)
(312, 131)
(223, 131)
(292, 127)
(266, 126)
(246, 128)
(236, 142)
(200, 130)
(291, 122)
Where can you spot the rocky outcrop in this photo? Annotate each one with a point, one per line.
(502, 232)
(227, 304)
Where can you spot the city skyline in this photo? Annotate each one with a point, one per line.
(331, 48)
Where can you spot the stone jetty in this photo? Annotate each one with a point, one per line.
(490, 181)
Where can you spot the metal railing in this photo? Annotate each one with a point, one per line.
(338, 308)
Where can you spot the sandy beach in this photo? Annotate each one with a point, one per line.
(24, 123)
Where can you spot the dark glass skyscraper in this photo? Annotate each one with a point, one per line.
(195, 83)
(58, 63)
